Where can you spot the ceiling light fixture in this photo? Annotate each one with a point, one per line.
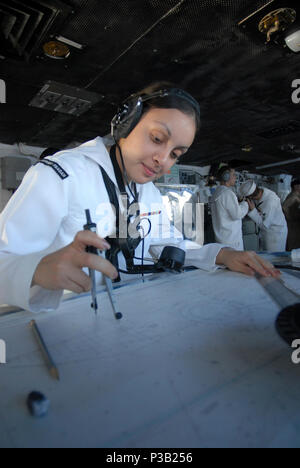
(56, 50)
(67, 41)
(247, 148)
(293, 41)
(279, 21)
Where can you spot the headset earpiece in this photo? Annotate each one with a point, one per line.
(226, 176)
(127, 117)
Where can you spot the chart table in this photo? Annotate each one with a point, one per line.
(195, 362)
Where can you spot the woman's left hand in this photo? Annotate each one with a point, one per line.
(248, 263)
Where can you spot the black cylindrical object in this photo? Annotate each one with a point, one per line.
(288, 323)
(172, 258)
(38, 404)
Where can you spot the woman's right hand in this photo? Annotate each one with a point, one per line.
(251, 204)
(63, 269)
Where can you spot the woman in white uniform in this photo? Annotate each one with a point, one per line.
(42, 241)
(266, 211)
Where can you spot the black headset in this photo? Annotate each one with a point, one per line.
(224, 175)
(130, 112)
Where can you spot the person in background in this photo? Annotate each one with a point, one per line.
(227, 212)
(291, 209)
(266, 211)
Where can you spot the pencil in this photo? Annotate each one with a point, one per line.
(47, 356)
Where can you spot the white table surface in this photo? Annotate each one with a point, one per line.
(195, 362)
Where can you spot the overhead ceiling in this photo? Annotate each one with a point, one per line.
(244, 86)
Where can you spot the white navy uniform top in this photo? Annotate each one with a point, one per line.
(48, 210)
(227, 214)
(270, 218)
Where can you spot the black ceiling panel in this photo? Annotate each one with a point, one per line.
(244, 85)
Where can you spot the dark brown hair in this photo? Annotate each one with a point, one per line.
(171, 101)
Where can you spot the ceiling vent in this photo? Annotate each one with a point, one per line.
(24, 25)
